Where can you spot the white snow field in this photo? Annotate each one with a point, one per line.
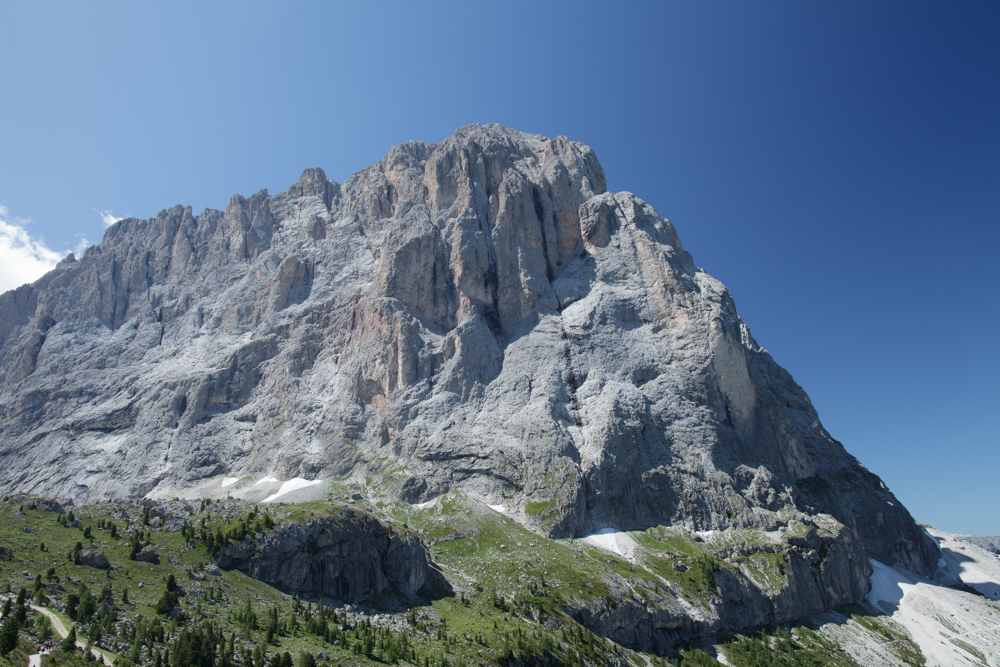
(266, 480)
(971, 564)
(953, 628)
(293, 484)
(614, 541)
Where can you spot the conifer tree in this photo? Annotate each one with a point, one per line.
(68, 644)
(8, 635)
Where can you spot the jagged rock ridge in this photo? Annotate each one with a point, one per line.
(478, 314)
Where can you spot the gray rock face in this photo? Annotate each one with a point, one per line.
(478, 314)
(990, 543)
(44, 504)
(175, 524)
(148, 555)
(821, 562)
(343, 556)
(96, 559)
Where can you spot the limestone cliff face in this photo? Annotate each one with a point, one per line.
(478, 314)
(821, 571)
(343, 556)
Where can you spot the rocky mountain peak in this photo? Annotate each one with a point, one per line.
(478, 314)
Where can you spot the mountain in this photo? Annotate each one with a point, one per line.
(990, 543)
(478, 315)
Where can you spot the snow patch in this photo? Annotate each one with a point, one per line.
(888, 585)
(498, 508)
(293, 484)
(420, 506)
(942, 621)
(229, 481)
(968, 563)
(614, 541)
(266, 480)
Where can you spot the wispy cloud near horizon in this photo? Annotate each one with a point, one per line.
(81, 246)
(23, 259)
(108, 217)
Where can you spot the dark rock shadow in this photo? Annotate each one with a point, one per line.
(986, 589)
(436, 587)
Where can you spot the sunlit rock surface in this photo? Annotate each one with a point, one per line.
(478, 314)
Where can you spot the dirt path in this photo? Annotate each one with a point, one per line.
(61, 630)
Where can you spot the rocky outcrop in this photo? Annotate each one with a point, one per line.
(175, 524)
(44, 504)
(95, 559)
(344, 555)
(809, 568)
(147, 555)
(478, 314)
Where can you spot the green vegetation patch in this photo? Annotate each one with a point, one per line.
(18, 656)
(540, 507)
(768, 568)
(784, 647)
(62, 659)
(511, 596)
(675, 557)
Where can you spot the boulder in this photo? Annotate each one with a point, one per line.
(148, 555)
(95, 559)
(49, 505)
(175, 524)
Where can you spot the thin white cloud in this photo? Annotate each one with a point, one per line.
(107, 217)
(81, 246)
(23, 259)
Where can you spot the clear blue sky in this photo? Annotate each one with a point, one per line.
(836, 164)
